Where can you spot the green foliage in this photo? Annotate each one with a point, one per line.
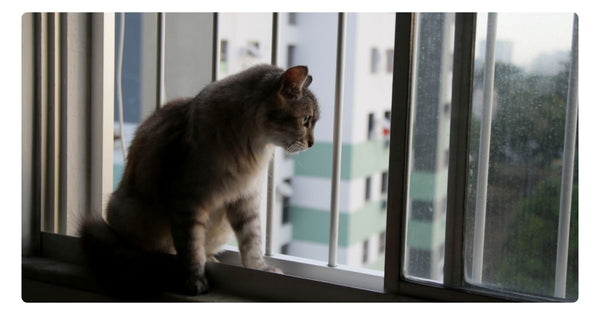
(524, 182)
(531, 243)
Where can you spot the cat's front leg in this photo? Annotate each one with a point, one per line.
(188, 227)
(243, 216)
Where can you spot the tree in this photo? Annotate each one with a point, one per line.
(524, 181)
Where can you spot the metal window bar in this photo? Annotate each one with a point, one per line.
(216, 48)
(484, 149)
(271, 172)
(337, 140)
(102, 114)
(38, 77)
(63, 115)
(119, 84)
(160, 59)
(44, 90)
(51, 125)
(562, 251)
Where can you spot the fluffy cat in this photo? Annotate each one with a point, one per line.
(193, 177)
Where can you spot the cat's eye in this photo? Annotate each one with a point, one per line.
(306, 120)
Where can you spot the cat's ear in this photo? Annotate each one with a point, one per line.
(292, 81)
(308, 81)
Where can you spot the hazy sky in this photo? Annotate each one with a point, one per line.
(531, 33)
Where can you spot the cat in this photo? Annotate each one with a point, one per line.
(193, 178)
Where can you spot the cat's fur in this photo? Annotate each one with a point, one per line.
(193, 176)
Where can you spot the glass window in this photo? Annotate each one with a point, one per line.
(432, 76)
(285, 248)
(382, 242)
(511, 233)
(365, 250)
(285, 210)
(419, 263)
(374, 60)
(421, 210)
(371, 126)
(368, 188)
(292, 18)
(291, 52)
(384, 182)
(389, 60)
(223, 55)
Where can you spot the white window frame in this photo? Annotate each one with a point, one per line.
(304, 279)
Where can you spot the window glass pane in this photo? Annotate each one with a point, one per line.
(432, 78)
(520, 215)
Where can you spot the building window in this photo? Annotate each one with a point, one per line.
(387, 115)
(384, 183)
(292, 18)
(223, 55)
(419, 262)
(447, 109)
(389, 60)
(285, 210)
(253, 49)
(446, 157)
(365, 256)
(291, 55)
(387, 127)
(285, 249)
(382, 242)
(374, 60)
(371, 126)
(368, 189)
(421, 210)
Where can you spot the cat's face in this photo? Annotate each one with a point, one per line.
(291, 120)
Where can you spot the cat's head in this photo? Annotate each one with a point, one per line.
(291, 118)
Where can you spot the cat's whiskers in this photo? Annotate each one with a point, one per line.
(295, 147)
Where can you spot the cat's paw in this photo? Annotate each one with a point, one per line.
(196, 285)
(271, 269)
(212, 258)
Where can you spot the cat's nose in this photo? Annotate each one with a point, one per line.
(310, 142)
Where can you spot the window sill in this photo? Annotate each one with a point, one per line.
(58, 275)
(50, 280)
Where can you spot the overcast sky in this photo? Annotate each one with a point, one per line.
(531, 33)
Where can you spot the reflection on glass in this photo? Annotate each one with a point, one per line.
(526, 148)
(432, 78)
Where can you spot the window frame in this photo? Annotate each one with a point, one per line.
(306, 279)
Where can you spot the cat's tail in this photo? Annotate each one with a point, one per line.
(124, 271)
